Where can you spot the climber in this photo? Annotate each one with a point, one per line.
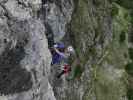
(56, 57)
(66, 68)
(61, 53)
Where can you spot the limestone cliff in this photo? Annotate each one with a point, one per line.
(24, 55)
(99, 30)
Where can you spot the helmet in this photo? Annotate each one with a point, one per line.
(70, 49)
(59, 45)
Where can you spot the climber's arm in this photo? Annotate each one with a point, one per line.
(60, 53)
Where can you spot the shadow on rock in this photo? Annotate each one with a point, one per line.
(13, 78)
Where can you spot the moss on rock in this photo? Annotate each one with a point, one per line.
(109, 85)
(91, 40)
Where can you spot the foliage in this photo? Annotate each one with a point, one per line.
(77, 71)
(125, 3)
(129, 68)
(130, 51)
(114, 10)
(122, 37)
(84, 24)
(130, 94)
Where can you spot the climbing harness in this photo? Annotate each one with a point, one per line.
(65, 70)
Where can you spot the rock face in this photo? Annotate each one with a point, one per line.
(96, 34)
(24, 55)
(99, 30)
(57, 13)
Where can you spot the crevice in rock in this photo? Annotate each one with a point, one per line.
(49, 33)
(130, 35)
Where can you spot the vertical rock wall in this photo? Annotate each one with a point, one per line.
(94, 27)
(24, 55)
(56, 15)
(97, 34)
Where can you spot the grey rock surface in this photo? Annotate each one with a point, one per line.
(29, 27)
(24, 55)
(58, 15)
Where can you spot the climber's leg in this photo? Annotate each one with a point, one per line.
(58, 76)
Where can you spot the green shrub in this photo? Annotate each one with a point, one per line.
(129, 68)
(130, 94)
(131, 15)
(125, 3)
(112, 1)
(130, 51)
(114, 10)
(122, 37)
(77, 71)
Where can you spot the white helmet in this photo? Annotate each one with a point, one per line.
(70, 49)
